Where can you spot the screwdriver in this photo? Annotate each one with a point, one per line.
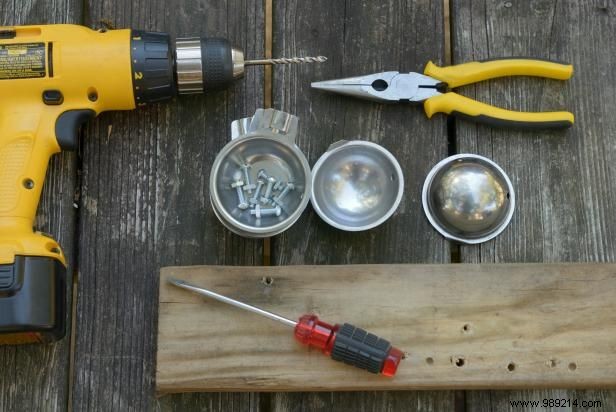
(346, 343)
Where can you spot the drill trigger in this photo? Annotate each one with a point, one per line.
(67, 127)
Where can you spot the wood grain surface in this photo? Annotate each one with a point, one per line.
(563, 180)
(361, 37)
(145, 203)
(460, 326)
(36, 377)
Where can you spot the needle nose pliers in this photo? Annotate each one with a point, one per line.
(432, 88)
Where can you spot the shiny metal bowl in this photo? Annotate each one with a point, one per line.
(280, 158)
(356, 185)
(468, 198)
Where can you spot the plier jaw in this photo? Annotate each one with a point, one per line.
(385, 87)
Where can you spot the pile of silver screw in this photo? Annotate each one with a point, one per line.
(272, 200)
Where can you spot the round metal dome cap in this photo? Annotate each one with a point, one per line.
(468, 198)
(356, 185)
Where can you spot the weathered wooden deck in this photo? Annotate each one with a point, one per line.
(140, 179)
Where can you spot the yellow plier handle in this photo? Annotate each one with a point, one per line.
(468, 73)
(473, 72)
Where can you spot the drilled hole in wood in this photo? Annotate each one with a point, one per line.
(552, 363)
(267, 280)
(572, 366)
(466, 328)
(511, 367)
(459, 362)
(429, 360)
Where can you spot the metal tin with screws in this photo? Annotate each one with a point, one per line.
(266, 143)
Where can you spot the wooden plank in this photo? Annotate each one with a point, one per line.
(146, 203)
(461, 326)
(564, 210)
(35, 377)
(361, 37)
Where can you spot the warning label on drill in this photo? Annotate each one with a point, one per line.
(22, 61)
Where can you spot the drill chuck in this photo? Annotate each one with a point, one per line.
(206, 64)
(195, 65)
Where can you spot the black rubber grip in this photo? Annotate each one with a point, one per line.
(355, 346)
(509, 124)
(495, 59)
(217, 63)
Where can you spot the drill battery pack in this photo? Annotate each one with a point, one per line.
(32, 301)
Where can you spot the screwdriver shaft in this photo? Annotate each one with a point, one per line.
(286, 60)
(232, 302)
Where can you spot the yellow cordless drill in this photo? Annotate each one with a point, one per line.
(53, 78)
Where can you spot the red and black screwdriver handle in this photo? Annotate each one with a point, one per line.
(349, 344)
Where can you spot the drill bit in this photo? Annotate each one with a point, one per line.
(287, 60)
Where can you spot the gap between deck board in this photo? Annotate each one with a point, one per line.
(265, 399)
(454, 249)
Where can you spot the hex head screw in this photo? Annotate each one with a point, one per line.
(262, 175)
(237, 185)
(278, 185)
(258, 212)
(268, 190)
(278, 199)
(248, 186)
(255, 199)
